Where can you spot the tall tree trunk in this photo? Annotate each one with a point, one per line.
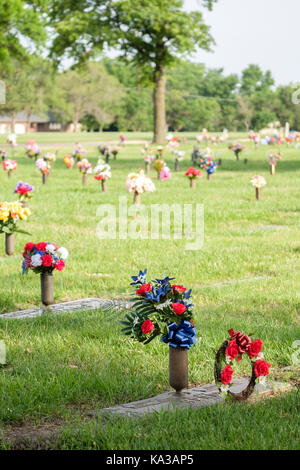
(159, 105)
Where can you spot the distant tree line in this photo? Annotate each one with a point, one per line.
(150, 86)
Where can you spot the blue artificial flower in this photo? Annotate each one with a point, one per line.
(156, 293)
(140, 279)
(164, 281)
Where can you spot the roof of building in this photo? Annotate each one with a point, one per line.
(22, 117)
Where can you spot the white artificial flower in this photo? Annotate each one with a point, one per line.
(224, 388)
(262, 379)
(165, 304)
(258, 181)
(63, 252)
(51, 249)
(260, 355)
(36, 260)
(228, 360)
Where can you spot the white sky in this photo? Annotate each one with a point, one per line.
(262, 32)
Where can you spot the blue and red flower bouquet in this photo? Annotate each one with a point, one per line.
(43, 257)
(161, 309)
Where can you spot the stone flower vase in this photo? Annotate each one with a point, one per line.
(136, 198)
(176, 165)
(47, 288)
(84, 178)
(9, 174)
(104, 186)
(25, 203)
(258, 193)
(193, 183)
(178, 368)
(272, 170)
(147, 167)
(208, 176)
(45, 178)
(9, 243)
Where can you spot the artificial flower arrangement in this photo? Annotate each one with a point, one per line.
(166, 310)
(43, 258)
(159, 164)
(258, 182)
(3, 154)
(32, 149)
(196, 155)
(159, 151)
(115, 150)
(44, 168)
(49, 157)
(9, 166)
(179, 156)
(138, 183)
(235, 348)
(84, 166)
(237, 149)
(161, 309)
(79, 153)
(102, 173)
(10, 214)
(209, 164)
(69, 161)
(192, 174)
(104, 150)
(24, 191)
(272, 160)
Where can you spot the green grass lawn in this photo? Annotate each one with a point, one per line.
(245, 277)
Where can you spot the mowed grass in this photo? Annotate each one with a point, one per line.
(244, 277)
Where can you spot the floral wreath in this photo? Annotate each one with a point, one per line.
(238, 345)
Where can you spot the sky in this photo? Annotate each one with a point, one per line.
(262, 32)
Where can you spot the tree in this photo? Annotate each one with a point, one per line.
(149, 33)
(20, 22)
(90, 90)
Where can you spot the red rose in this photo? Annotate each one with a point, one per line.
(255, 348)
(261, 368)
(178, 308)
(226, 376)
(147, 327)
(232, 349)
(178, 289)
(41, 246)
(47, 261)
(143, 289)
(59, 265)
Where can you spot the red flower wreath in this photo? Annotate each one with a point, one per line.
(234, 348)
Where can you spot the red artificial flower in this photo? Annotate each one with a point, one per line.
(147, 327)
(178, 308)
(232, 349)
(41, 246)
(59, 265)
(99, 177)
(193, 172)
(226, 376)
(23, 190)
(255, 348)
(27, 248)
(261, 368)
(178, 289)
(143, 289)
(47, 261)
